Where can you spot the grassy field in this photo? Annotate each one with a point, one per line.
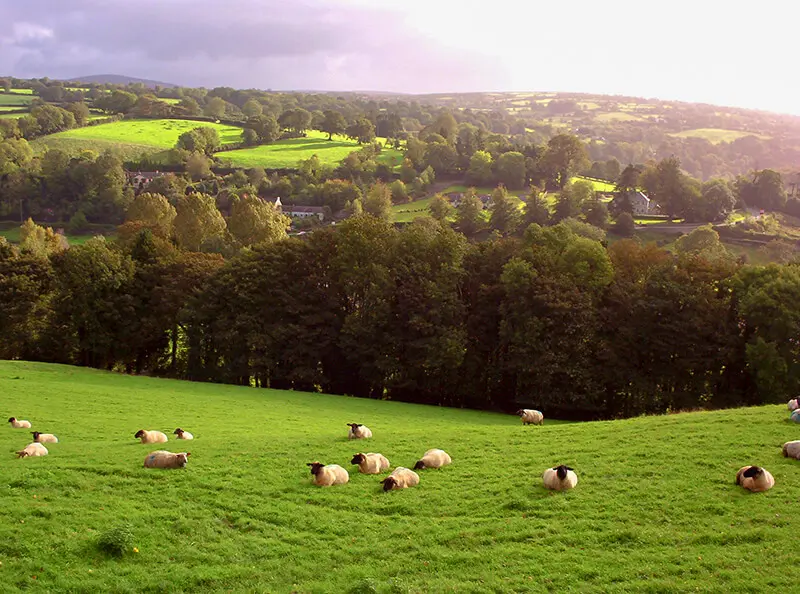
(15, 99)
(717, 135)
(618, 116)
(22, 91)
(285, 154)
(598, 185)
(655, 510)
(12, 235)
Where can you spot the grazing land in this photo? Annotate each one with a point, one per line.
(15, 99)
(718, 135)
(285, 154)
(655, 509)
(130, 138)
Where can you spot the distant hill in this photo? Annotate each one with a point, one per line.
(118, 79)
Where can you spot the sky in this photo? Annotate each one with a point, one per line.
(731, 52)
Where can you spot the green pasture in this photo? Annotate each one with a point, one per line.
(597, 184)
(15, 99)
(717, 135)
(11, 116)
(21, 91)
(13, 236)
(655, 509)
(285, 154)
(618, 116)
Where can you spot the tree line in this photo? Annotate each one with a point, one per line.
(554, 318)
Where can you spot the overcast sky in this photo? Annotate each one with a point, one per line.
(723, 52)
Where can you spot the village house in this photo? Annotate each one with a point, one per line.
(641, 204)
(140, 179)
(300, 212)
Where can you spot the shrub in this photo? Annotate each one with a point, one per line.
(116, 541)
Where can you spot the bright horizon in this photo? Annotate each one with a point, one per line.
(722, 53)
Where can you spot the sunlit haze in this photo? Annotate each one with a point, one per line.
(727, 53)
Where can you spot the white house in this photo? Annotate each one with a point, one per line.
(300, 212)
(642, 205)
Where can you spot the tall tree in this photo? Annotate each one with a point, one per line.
(510, 168)
(254, 221)
(154, 211)
(333, 123)
(378, 202)
(504, 216)
(197, 220)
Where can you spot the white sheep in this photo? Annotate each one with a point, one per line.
(796, 415)
(794, 404)
(327, 475)
(32, 449)
(183, 434)
(433, 459)
(530, 416)
(44, 437)
(19, 424)
(370, 463)
(560, 478)
(754, 478)
(401, 478)
(164, 459)
(150, 436)
(791, 449)
(358, 431)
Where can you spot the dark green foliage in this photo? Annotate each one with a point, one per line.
(117, 541)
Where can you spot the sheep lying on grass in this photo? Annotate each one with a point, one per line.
(358, 431)
(44, 437)
(793, 404)
(791, 449)
(32, 450)
(19, 424)
(164, 459)
(433, 459)
(754, 478)
(183, 434)
(150, 436)
(796, 416)
(560, 478)
(327, 475)
(401, 478)
(530, 416)
(370, 463)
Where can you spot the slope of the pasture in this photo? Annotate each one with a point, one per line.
(717, 135)
(132, 137)
(285, 154)
(655, 509)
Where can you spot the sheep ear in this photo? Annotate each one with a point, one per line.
(188, 454)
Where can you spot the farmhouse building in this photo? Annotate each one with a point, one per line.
(300, 212)
(641, 204)
(140, 179)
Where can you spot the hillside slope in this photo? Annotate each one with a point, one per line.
(655, 508)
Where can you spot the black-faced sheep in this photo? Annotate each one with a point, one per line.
(530, 416)
(327, 475)
(370, 463)
(183, 434)
(19, 424)
(44, 437)
(754, 478)
(150, 436)
(358, 431)
(401, 478)
(433, 459)
(560, 478)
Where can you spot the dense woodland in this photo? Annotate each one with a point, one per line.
(552, 319)
(515, 306)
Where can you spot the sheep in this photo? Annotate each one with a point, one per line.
(796, 416)
(150, 436)
(791, 449)
(401, 478)
(370, 463)
(33, 449)
(433, 459)
(327, 475)
(754, 478)
(530, 416)
(44, 437)
(560, 478)
(183, 434)
(358, 431)
(164, 459)
(19, 424)
(794, 404)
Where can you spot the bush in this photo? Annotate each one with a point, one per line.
(77, 224)
(117, 541)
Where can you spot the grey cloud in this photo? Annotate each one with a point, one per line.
(245, 43)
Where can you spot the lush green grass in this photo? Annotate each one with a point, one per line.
(405, 213)
(74, 146)
(12, 108)
(598, 185)
(717, 135)
(135, 135)
(655, 510)
(285, 154)
(15, 99)
(22, 91)
(11, 116)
